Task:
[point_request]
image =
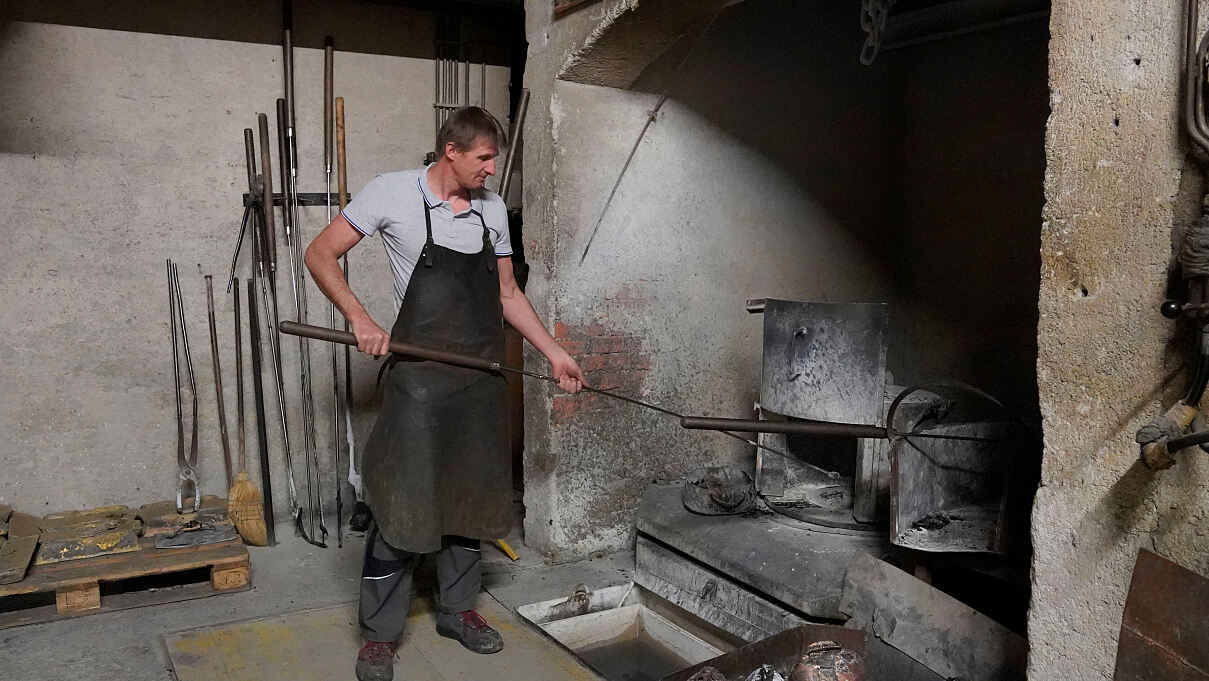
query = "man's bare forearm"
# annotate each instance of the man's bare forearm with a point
(519, 312)
(325, 270)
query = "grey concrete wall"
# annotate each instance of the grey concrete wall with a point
(773, 171)
(1115, 187)
(119, 150)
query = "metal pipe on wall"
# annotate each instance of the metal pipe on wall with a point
(514, 137)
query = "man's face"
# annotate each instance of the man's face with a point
(472, 167)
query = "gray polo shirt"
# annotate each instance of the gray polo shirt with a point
(392, 204)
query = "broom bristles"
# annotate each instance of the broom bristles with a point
(245, 510)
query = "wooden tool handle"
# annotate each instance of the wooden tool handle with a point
(341, 164)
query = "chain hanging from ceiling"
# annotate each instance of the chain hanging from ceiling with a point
(873, 22)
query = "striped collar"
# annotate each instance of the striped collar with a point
(430, 198)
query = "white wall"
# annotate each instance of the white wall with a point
(119, 150)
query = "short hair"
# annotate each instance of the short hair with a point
(465, 125)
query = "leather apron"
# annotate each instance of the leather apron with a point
(438, 459)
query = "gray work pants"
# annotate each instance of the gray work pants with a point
(386, 583)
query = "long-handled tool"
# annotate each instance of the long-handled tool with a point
(328, 121)
(241, 434)
(256, 202)
(217, 365)
(361, 516)
(261, 431)
(723, 426)
(186, 465)
(266, 280)
(286, 156)
(243, 499)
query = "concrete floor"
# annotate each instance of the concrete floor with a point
(127, 645)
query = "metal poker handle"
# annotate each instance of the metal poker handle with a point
(456, 359)
(405, 349)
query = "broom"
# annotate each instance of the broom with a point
(243, 500)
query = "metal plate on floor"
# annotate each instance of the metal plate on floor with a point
(824, 361)
(1163, 632)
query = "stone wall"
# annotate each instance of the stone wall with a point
(1116, 186)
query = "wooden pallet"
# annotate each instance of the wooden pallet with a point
(77, 584)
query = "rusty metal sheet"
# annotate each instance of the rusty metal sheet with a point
(1163, 631)
(824, 361)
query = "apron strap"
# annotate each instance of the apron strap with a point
(428, 245)
(487, 246)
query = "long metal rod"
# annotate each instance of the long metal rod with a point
(241, 433)
(261, 430)
(216, 363)
(275, 360)
(514, 140)
(456, 359)
(342, 196)
(328, 130)
(298, 281)
(725, 426)
(786, 427)
(650, 118)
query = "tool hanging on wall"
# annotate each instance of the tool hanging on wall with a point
(286, 117)
(361, 516)
(243, 499)
(266, 282)
(186, 478)
(328, 142)
(216, 364)
(256, 202)
(261, 430)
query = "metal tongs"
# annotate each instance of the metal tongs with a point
(187, 474)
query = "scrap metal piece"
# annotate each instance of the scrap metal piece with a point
(935, 629)
(719, 490)
(1163, 633)
(160, 517)
(825, 361)
(83, 534)
(18, 548)
(196, 534)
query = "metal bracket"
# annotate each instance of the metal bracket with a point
(304, 199)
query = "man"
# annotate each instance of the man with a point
(437, 465)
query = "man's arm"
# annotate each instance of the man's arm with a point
(323, 261)
(521, 316)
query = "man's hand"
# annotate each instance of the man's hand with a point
(371, 338)
(570, 376)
